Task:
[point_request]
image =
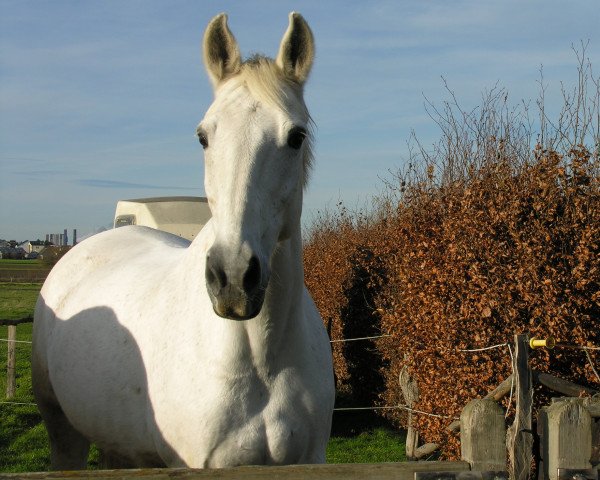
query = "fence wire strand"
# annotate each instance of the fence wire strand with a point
(359, 338)
(512, 379)
(483, 348)
(576, 347)
(395, 407)
(6, 340)
(405, 407)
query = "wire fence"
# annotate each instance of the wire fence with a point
(6, 340)
(407, 408)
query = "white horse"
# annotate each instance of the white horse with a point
(209, 354)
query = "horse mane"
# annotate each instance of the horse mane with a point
(266, 82)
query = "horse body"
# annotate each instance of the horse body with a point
(207, 354)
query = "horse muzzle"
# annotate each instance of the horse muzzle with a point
(236, 285)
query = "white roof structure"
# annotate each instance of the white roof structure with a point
(183, 216)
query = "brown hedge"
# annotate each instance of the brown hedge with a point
(486, 239)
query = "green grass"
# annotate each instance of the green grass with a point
(24, 443)
(23, 439)
(17, 300)
(12, 262)
(23, 270)
(373, 446)
(363, 437)
(9, 264)
(23, 392)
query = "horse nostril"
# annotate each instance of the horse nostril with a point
(215, 276)
(252, 275)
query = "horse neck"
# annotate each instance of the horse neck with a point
(287, 277)
(258, 341)
(280, 320)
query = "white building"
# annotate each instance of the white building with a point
(32, 246)
(183, 216)
(58, 239)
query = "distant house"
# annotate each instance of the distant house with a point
(32, 246)
(182, 216)
(15, 253)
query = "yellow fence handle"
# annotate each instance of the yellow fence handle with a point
(548, 343)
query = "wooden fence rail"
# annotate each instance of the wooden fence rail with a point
(350, 471)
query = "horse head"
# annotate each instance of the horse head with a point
(256, 137)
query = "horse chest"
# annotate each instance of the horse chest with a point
(244, 421)
(275, 436)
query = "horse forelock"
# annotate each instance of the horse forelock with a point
(267, 83)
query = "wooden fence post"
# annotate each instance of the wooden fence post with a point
(410, 392)
(595, 458)
(520, 435)
(483, 436)
(10, 362)
(567, 438)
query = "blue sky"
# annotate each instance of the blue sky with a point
(99, 100)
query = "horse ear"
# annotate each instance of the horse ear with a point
(221, 52)
(297, 49)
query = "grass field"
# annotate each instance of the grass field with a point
(23, 270)
(21, 264)
(17, 300)
(356, 438)
(23, 443)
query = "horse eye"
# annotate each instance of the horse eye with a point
(296, 137)
(203, 140)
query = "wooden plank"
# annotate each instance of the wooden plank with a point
(567, 441)
(594, 408)
(471, 475)
(350, 471)
(519, 439)
(591, 403)
(496, 394)
(595, 458)
(562, 386)
(541, 421)
(483, 435)
(577, 474)
(425, 450)
(501, 390)
(11, 382)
